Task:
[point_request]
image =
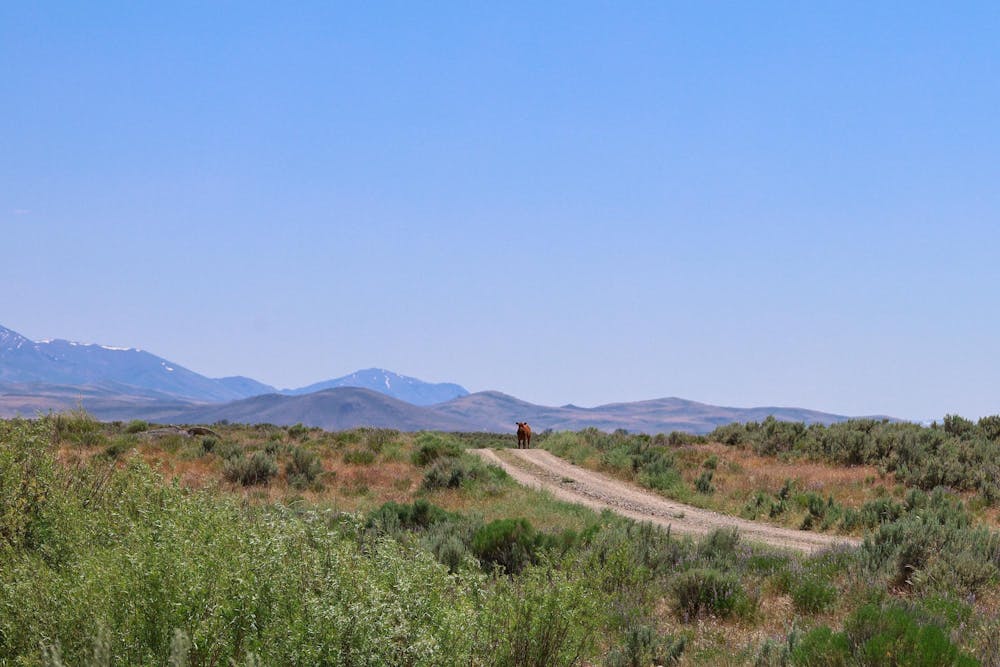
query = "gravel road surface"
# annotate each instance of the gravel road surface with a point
(539, 469)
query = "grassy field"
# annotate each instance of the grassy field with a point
(798, 483)
(127, 544)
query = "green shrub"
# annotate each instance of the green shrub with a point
(680, 438)
(990, 427)
(642, 646)
(448, 549)
(708, 591)
(757, 504)
(822, 647)
(359, 457)
(209, 444)
(303, 468)
(376, 439)
(638, 545)
(819, 512)
(28, 510)
(880, 635)
(733, 434)
(704, 483)
(228, 450)
(298, 431)
(118, 446)
(812, 595)
(767, 563)
(392, 517)
(934, 547)
(956, 425)
(78, 427)
(509, 543)
(879, 511)
(258, 468)
(564, 444)
(446, 473)
(895, 635)
(639, 456)
(431, 447)
(546, 617)
(137, 426)
(720, 545)
(450, 541)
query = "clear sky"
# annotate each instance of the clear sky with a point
(738, 203)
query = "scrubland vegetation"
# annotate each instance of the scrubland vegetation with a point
(123, 545)
(848, 477)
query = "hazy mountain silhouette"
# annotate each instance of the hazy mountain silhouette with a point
(411, 390)
(332, 409)
(68, 364)
(495, 411)
(127, 383)
(64, 362)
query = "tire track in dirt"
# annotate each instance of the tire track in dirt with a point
(540, 469)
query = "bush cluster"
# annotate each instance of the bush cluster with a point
(258, 468)
(934, 546)
(78, 427)
(709, 591)
(303, 469)
(880, 635)
(104, 563)
(110, 565)
(511, 544)
(958, 453)
(433, 446)
(359, 457)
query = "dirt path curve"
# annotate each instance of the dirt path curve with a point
(539, 469)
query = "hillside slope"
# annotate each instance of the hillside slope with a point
(331, 409)
(495, 411)
(402, 387)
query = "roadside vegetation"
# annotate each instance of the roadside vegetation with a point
(257, 545)
(845, 478)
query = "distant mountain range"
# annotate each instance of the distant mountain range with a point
(68, 363)
(126, 383)
(140, 373)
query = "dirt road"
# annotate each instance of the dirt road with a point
(539, 469)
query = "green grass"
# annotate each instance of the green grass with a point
(103, 561)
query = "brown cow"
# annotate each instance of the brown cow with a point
(523, 435)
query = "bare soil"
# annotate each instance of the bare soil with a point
(539, 469)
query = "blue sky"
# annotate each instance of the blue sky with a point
(739, 203)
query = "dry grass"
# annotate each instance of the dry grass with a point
(739, 474)
(391, 476)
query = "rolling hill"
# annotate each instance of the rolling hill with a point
(331, 409)
(126, 383)
(495, 411)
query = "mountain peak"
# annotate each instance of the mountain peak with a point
(11, 340)
(402, 387)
